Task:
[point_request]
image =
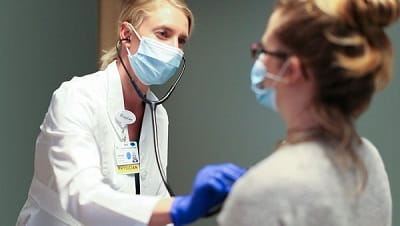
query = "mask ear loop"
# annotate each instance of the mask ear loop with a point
(284, 68)
(132, 28)
(136, 87)
(277, 78)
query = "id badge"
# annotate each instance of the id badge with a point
(127, 158)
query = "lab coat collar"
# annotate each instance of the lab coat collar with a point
(115, 101)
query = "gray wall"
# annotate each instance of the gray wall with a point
(42, 43)
(213, 114)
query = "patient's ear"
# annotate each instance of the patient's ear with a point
(294, 72)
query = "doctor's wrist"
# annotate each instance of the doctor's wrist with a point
(161, 212)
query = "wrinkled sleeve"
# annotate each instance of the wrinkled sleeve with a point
(74, 156)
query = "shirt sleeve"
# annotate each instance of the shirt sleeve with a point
(75, 159)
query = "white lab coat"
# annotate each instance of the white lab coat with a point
(75, 180)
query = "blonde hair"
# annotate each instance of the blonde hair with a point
(369, 18)
(134, 12)
(342, 43)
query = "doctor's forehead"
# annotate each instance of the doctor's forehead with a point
(166, 15)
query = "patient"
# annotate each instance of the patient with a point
(318, 65)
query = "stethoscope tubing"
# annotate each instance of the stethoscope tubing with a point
(153, 106)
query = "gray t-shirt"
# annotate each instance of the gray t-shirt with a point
(299, 186)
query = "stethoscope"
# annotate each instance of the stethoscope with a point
(153, 105)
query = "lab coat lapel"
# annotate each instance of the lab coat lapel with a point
(146, 135)
(115, 104)
(115, 100)
(147, 127)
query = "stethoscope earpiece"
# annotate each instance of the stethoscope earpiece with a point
(125, 39)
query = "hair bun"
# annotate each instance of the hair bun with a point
(364, 14)
(368, 14)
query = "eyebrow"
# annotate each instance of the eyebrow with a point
(182, 35)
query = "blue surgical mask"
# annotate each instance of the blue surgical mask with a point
(266, 96)
(154, 63)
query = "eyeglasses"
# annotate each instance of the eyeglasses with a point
(257, 49)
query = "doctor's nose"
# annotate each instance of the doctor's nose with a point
(174, 42)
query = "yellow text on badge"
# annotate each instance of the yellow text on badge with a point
(128, 169)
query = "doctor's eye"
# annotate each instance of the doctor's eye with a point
(182, 41)
(162, 34)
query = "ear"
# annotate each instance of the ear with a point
(294, 72)
(125, 32)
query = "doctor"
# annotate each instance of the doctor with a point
(94, 159)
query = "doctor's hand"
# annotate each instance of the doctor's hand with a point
(211, 185)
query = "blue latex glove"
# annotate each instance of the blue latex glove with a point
(211, 185)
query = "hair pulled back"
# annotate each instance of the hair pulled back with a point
(343, 47)
(135, 11)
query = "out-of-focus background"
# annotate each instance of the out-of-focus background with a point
(213, 114)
